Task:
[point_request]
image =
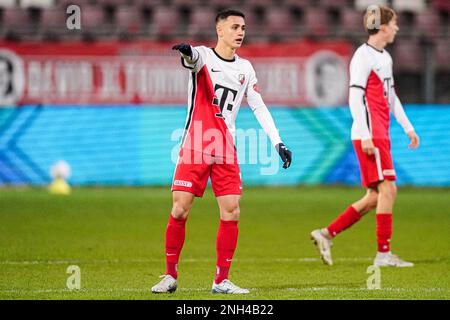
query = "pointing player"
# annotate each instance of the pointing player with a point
(371, 98)
(219, 79)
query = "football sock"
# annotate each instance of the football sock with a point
(345, 220)
(225, 247)
(384, 231)
(175, 233)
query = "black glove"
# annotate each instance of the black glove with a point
(285, 154)
(183, 48)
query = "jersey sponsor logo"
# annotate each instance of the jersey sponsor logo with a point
(182, 183)
(223, 92)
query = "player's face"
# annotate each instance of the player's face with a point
(232, 31)
(391, 30)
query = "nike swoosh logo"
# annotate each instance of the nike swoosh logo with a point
(229, 260)
(215, 70)
(171, 254)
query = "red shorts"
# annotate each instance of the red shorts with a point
(376, 167)
(194, 168)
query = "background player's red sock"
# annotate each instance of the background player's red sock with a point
(225, 247)
(384, 231)
(175, 233)
(344, 221)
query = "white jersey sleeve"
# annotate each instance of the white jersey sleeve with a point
(196, 61)
(260, 109)
(399, 113)
(360, 70)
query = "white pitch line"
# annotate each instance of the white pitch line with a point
(207, 290)
(188, 260)
(365, 289)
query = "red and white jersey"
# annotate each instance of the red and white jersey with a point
(216, 89)
(371, 71)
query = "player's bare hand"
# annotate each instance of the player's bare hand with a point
(414, 138)
(184, 48)
(368, 146)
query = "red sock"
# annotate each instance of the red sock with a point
(225, 246)
(384, 231)
(345, 220)
(175, 233)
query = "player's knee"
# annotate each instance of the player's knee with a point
(388, 189)
(180, 210)
(231, 213)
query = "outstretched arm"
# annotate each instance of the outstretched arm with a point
(190, 56)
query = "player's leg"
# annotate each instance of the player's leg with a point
(175, 230)
(226, 241)
(175, 235)
(352, 214)
(322, 238)
(384, 257)
(227, 187)
(190, 179)
(387, 192)
(227, 234)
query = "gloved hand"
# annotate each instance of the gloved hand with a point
(285, 155)
(183, 48)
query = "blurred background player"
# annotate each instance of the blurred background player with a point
(371, 98)
(219, 80)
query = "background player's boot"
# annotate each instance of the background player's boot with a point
(387, 259)
(323, 244)
(168, 284)
(227, 287)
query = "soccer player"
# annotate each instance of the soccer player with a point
(371, 98)
(219, 79)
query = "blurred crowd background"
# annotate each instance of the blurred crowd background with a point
(421, 52)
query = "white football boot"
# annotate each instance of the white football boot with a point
(323, 244)
(168, 284)
(227, 287)
(387, 259)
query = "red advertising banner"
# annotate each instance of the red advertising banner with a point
(302, 73)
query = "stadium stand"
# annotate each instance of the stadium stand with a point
(267, 20)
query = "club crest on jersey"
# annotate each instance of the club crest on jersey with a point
(242, 78)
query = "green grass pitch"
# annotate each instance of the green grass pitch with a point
(116, 237)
